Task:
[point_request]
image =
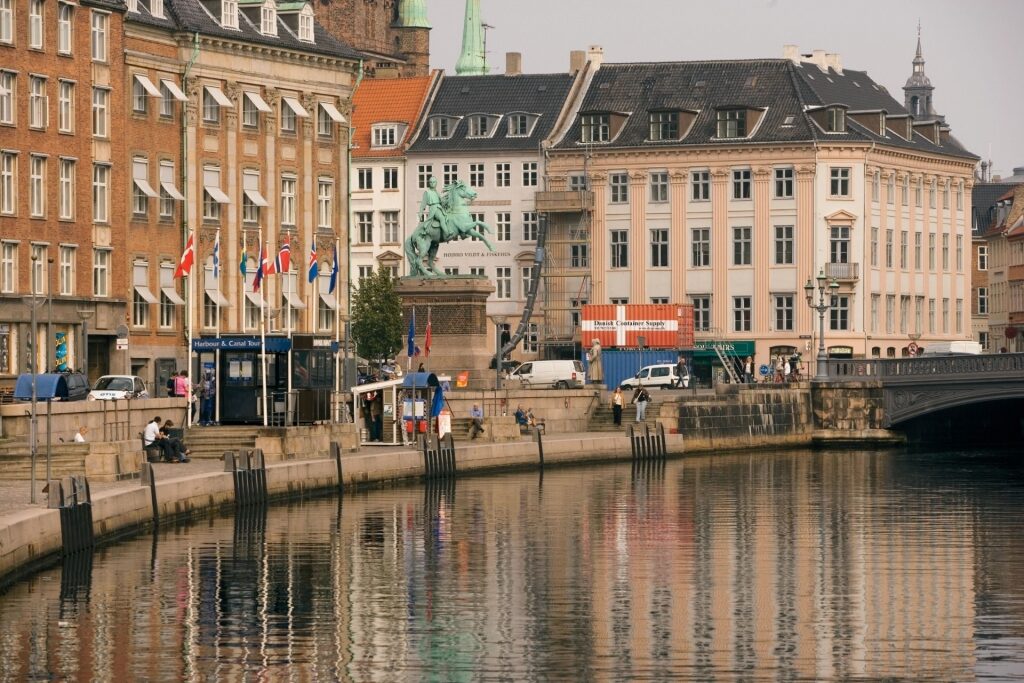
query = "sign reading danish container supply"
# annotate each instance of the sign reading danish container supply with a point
(662, 326)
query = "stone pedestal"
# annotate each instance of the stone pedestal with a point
(459, 324)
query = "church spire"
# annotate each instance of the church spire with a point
(413, 14)
(472, 61)
(917, 97)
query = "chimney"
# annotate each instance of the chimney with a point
(513, 63)
(835, 60)
(577, 60)
(595, 55)
(792, 53)
(818, 59)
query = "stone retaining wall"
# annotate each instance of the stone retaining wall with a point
(106, 420)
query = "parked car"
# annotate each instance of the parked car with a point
(952, 348)
(662, 375)
(110, 387)
(560, 374)
(55, 386)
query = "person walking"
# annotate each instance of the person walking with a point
(748, 370)
(641, 398)
(682, 373)
(617, 407)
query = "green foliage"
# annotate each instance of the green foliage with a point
(377, 317)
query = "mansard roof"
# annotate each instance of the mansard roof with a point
(458, 97)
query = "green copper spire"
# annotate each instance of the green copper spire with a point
(413, 14)
(472, 61)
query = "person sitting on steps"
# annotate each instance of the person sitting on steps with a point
(151, 436)
(477, 414)
(181, 452)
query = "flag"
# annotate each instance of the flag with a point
(438, 403)
(283, 262)
(261, 267)
(242, 265)
(216, 255)
(314, 270)
(185, 264)
(412, 336)
(427, 337)
(334, 271)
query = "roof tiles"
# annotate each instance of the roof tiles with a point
(398, 100)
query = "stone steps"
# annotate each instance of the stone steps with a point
(602, 418)
(61, 464)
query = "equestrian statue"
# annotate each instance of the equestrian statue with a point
(445, 219)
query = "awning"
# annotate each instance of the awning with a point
(254, 298)
(146, 188)
(296, 107)
(294, 300)
(148, 86)
(217, 194)
(258, 102)
(218, 298)
(144, 292)
(218, 96)
(176, 92)
(333, 112)
(332, 303)
(172, 294)
(170, 189)
(255, 197)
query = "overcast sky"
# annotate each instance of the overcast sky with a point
(973, 48)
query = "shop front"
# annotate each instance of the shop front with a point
(706, 364)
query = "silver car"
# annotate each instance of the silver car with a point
(661, 375)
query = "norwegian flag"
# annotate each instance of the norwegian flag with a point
(261, 268)
(283, 262)
(187, 257)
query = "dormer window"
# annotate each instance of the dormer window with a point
(306, 24)
(482, 125)
(385, 135)
(664, 125)
(732, 123)
(268, 18)
(156, 8)
(229, 13)
(835, 120)
(442, 127)
(520, 125)
(595, 128)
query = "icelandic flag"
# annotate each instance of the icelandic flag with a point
(261, 267)
(427, 337)
(242, 266)
(187, 256)
(216, 256)
(314, 270)
(334, 272)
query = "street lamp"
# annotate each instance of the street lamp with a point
(34, 301)
(831, 288)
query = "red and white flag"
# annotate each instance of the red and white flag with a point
(283, 262)
(427, 338)
(187, 257)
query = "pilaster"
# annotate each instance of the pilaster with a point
(762, 246)
(677, 238)
(599, 238)
(720, 249)
(638, 236)
(805, 243)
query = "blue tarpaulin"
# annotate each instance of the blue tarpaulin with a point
(420, 380)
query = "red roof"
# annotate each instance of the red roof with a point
(388, 100)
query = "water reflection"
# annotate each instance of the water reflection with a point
(795, 566)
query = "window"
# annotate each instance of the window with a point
(480, 126)
(289, 118)
(364, 222)
(389, 227)
(700, 184)
(140, 305)
(918, 311)
(890, 313)
(476, 175)
(783, 245)
(958, 326)
(888, 248)
(167, 102)
(874, 246)
(503, 226)
(701, 312)
(530, 226)
(503, 175)
(959, 253)
(268, 18)
(890, 190)
(659, 299)
(659, 186)
(917, 251)
(904, 313)
(619, 188)
(37, 102)
(325, 203)
(620, 248)
(945, 316)
(141, 189)
(518, 125)
(66, 197)
(229, 15)
(35, 24)
(138, 96)
(65, 14)
(100, 112)
(839, 314)
(213, 196)
(784, 312)
(917, 193)
(839, 185)
(905, 192)
(7, 80)
(982, 300)
(365, 272)
(931, 194)
(578, 182)
(529, 174)
(904, 239)
(959, 197)
(100, 193)
(579, 255)
(211, 314)
(931, 251)
(326, 305)
(945, 195)
(835, 120)
(8, 182)
(526, 278)
(876, 184)
(37, 186)
(732, 123)
(9, 267)
(450, 173)
(288, 183)
(168, 192)
(101, 272)
(659, 248)
(741, 314)
(620, 301)
(449, 270)
(983, 257)
(741, 184)
(532, 342)
(783, 183)
(385, 136)
(250, 112)
(664, 125)
(503, 282)
(325, 120)
(945, 251)
(931, 316)
(874, 312)
(701, 245)
(983, 339)
(306, 25)
(168, 296)
(66, 105)
(440, 127)
(391, 178)
(423, 173)
(38, 275)
(100, 22)
(6, 21)
(741, 246)
(595, 128)
(364, 178)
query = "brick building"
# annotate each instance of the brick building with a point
(394, 35)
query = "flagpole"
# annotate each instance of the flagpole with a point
(288, 311)
(189, 289)
(263, 326)
(343, 405)
(216, 354)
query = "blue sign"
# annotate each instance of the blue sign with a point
(273, 344)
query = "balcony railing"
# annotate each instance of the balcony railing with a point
(570, 201)
(842, 271)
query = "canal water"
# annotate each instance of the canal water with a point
(795, 565)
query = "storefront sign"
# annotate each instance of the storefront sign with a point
(273, 344)
(706, 348)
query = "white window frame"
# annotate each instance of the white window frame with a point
(531, 226)
(38, 104)
(8, 183)
(659, 247)
(391, 178)
(37, 186)
(100, 112)
(982, 257)
(364, 225)
(700, 247)
(142, 191)
(100, 193)
(784, 183)
(99, 24)
(268, 18)
(306, 24)
(6, 21)
(35, 24)
(785, 245)
(742, 314)
(229, 14)
(784, 312)
(289, 194)
(503, 226)
(8, 84)
(38, 272)
(839, 181)
(476, 175)
(385, 135)
(529, 174)
(423, 173)
(700, 186)
(168, 191)
(325, 203)
(66, 189)
(503, 282)
(619, 248)
(213, 195)
(503, 174)
(618, 188)
(390, 227)
(65, 106)
(8, 266)
(659, 186)
(982, 300)
(66, 269)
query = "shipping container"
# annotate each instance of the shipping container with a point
(654, 326)
(620, 364)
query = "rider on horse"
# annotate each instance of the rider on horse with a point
(436, 209)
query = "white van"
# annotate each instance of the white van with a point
(952, 348)
(560, 374)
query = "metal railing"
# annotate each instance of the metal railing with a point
(899, 370)
(842, 271)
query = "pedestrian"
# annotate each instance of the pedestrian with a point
(170, 383)
(617, 407)
(786, 369)
(682, 372)
(421, 368)
(748, 370)
(477, 415)
(80, 434)
(181, 384)
(779, 376)
(641, 398)
(206, 406)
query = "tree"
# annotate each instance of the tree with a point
(377, 317)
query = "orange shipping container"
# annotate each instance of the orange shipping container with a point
(663, 326)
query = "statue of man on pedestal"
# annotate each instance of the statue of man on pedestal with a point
(596, 372)
(446, 218)
(435, 210)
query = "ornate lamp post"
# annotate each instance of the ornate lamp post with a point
(831, 289)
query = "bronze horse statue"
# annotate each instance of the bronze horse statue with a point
(421, 246)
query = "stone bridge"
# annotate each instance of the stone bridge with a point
(879, 393)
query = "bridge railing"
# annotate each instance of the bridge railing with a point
(896, 369)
